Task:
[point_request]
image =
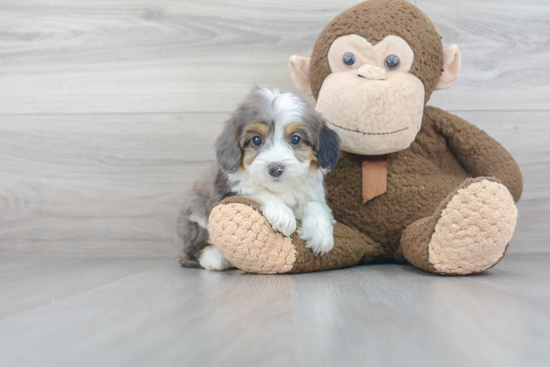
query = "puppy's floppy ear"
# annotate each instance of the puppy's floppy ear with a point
(228, 151)
(328, 148)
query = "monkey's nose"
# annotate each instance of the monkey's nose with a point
(371, 72)
(275, 169)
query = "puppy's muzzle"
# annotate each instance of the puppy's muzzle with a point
(275, 169)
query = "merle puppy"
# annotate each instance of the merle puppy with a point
(275, 150)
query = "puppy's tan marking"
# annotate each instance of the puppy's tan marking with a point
(303, 130)
(257, 128)
(304, 151)
(314, 162)
(249, 150)
(249, 154)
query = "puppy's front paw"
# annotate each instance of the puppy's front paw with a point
(281, 218)
(319, 245)
(318, 235)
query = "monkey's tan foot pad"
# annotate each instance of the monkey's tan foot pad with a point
(245, 238)
(471, 232)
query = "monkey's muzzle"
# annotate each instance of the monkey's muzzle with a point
(371, 72)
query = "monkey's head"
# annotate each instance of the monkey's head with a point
(372, 71)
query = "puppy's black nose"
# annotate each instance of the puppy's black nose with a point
(275, 169)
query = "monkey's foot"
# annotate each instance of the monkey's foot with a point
(245, 238)
(468, 233)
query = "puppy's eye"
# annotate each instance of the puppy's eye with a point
(392, 62)
(295, 140)
(257, 141)
(349, 59)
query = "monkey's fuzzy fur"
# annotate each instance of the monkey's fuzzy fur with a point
(419, 178)
(374, 20)
(448, 156)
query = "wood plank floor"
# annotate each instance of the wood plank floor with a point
(151, 312)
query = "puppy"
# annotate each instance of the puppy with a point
(275, 150)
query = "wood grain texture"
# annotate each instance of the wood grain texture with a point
(98, 144)
(83, 56)
(151, 312)
(102, 185)
(111, 185)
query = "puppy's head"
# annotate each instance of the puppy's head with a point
(276, 138)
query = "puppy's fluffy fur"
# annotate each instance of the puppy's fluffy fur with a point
(274, 149)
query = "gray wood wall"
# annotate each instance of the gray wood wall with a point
(109, 109)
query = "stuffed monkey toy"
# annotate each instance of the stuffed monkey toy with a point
(414, 183)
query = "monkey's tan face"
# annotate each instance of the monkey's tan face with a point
(370, 99)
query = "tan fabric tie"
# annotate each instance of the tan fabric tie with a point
(375, 176)
(374, 172)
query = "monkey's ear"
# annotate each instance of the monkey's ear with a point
(299, 71)
(328, 148)
(451, 67)
(228, 151)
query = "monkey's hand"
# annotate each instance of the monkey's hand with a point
(479, 153)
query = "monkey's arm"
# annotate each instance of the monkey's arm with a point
(479, 153)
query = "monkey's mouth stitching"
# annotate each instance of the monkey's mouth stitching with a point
(355, 131)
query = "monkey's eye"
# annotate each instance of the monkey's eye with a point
(257, 141)
(349, 59)
(392, 62)
(295, 140)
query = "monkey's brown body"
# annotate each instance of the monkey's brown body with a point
(449, 206)
(419, 180)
